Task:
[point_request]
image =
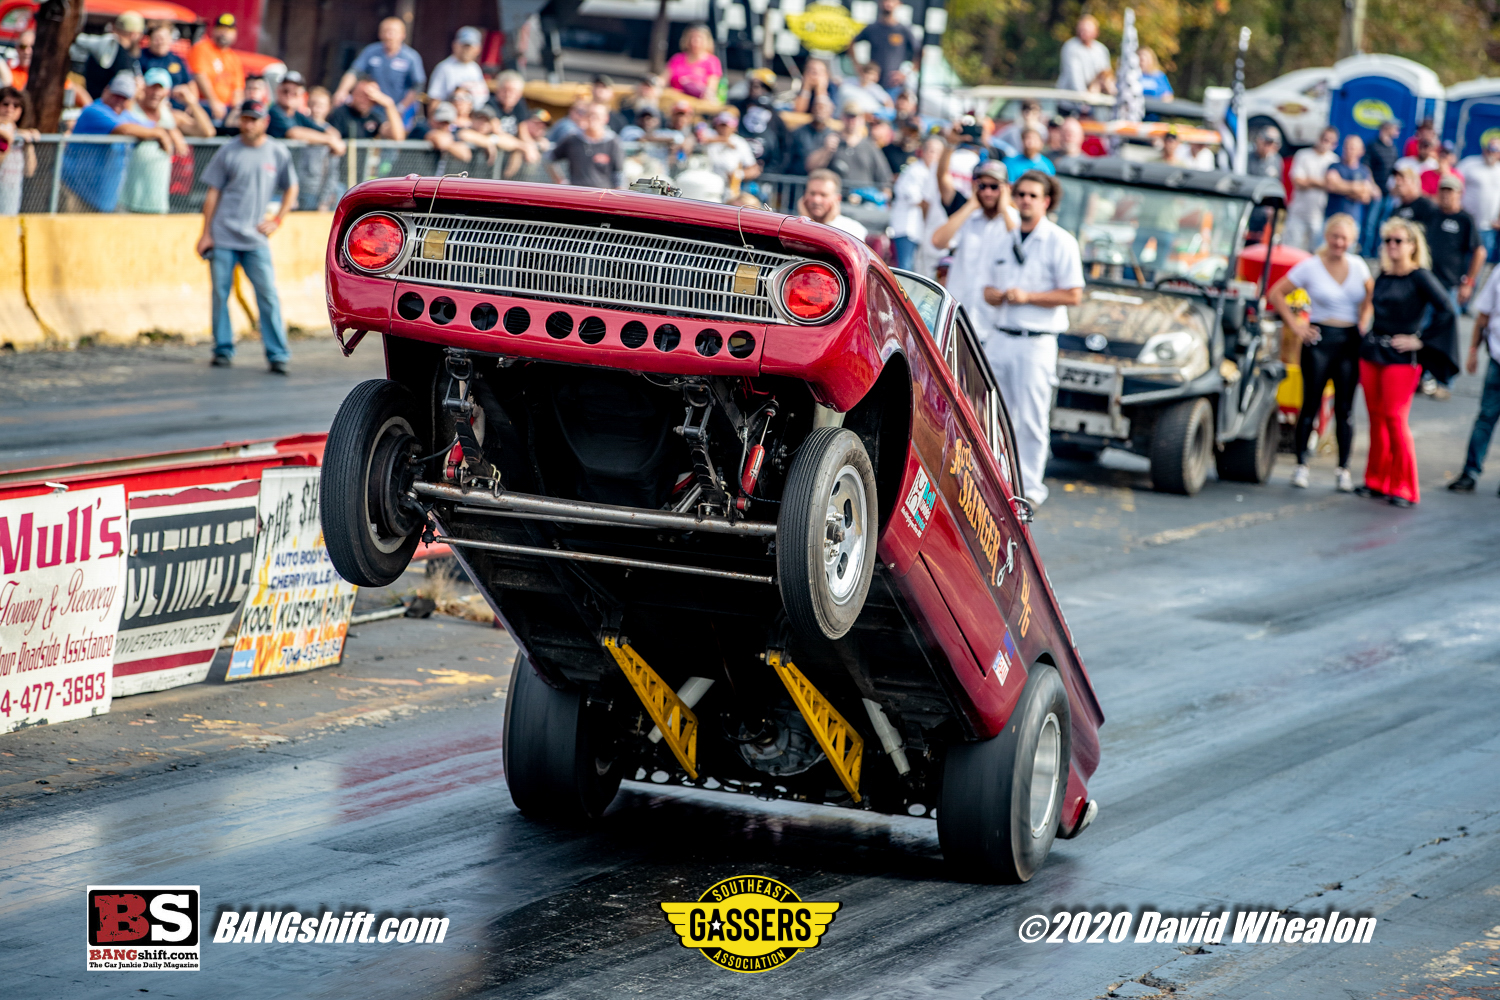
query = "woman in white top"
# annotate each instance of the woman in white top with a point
(1339, 291)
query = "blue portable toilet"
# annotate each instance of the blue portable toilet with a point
(1368, 90)
(1473, 115)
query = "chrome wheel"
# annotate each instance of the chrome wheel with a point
(845, 535)
(1045, 774)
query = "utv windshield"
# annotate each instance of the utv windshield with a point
(1164, 233)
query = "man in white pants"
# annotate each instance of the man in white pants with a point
(1037, 274)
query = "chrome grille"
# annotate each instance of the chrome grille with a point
(594, 265)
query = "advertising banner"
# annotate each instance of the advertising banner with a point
(62, 570)
(298, 610)
(191, 551)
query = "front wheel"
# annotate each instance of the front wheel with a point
(370, 526)
(560, 763)
(1002, 799)
(1251, 461)
(825, 534)
(1182, 447)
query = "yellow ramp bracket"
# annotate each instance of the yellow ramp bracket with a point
(678, 724)
(845, 747)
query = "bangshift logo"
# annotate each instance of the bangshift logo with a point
(143, 928)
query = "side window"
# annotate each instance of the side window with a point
(976, 382)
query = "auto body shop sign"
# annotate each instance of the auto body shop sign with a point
(298, 610)
(62, 574)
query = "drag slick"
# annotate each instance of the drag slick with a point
(744, 497)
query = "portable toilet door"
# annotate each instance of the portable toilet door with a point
(1369, 90)
(1472, 117)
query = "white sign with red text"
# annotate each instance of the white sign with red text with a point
(62, 570)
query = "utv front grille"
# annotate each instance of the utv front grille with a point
(595, 265)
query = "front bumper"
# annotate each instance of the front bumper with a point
(1088, 400)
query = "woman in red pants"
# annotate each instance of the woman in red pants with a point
(1391, 357)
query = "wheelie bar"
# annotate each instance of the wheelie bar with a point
(843, 745)
(678, 724)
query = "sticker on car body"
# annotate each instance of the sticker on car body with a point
(920, 500)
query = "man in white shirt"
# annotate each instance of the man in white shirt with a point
(972, 232)
(820, 203)
(461, 69)
(1482, 193)
(917, 208)
(1304, 220)
(1486, 330)
(1037, 273)
(1084, 57)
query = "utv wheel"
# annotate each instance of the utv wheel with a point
(559, 762)
(1251, 461)
(1069, 452)
(1002, 799)
(825, 536)
(1182, 447)
(368, 526)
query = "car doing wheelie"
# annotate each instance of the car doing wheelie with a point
(744, 497)
(1167, 355)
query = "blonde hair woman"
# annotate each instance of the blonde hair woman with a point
(1393, 353)
(695, 70)
(1339, 292)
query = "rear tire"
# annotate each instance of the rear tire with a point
(1182, 446)
(826, 533)
(1251, 461)
(368, 525)
(559, 763)
(1001, 803)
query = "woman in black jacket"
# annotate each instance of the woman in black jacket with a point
(1393, 353)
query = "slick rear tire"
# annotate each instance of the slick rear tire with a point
(1182, 447)
(1251, 461)
(1002, 799)
(826, 534)
(370, 531)
(559, 763)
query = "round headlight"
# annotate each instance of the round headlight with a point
(374, 243)
(810, 292)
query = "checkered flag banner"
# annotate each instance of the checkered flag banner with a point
(1131, 104)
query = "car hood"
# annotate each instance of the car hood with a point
(1135, 315)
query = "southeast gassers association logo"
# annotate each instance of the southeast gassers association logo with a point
(750, 923)
(143, 928)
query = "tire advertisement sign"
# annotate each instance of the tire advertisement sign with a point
(191, 561)
(298, 609)
(62, 574)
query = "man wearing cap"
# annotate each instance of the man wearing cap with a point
(972, 232)
(1481, 176)
(760, 125)
(395, 66)
(148, 177)
(217, 68)
(94, 172)
(287, 120)
(100, 58)
(1036, 274)
(1454, 241)
(459, 69)
(242, 178)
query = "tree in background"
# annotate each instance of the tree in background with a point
(999, 41)
(57, 24)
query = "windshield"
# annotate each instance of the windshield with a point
(1164, 233)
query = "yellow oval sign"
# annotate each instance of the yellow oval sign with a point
(825, 27)
(1489, 136)
(1372, 113)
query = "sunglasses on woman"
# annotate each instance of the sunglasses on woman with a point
(1394, 241)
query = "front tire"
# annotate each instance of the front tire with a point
(826, 533)
(369, 526)
(559, 762)
(1251, 461)
(1002, 799)
(1182, 446)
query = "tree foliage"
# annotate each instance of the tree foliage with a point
(998, 41)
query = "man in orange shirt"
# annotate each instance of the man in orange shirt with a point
(217, 68)
(25, 45)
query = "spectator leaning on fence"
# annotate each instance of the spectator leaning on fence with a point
(460, 69)
(510, 106)
(288, 121)
(92, 173)
(369, 114)
(103, 57)
(17, 150)
(148, 177)
(594, 155)
(242, 179)
(217, 68)
(395, 66)
(533, 130)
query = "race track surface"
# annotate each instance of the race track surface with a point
(1301, 691)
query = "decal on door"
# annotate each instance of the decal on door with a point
(1025, 621)
(981, 519)
(1006, 657)
(919, 502)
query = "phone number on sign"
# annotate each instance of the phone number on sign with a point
(32, 698)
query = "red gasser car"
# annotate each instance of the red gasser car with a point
(745, 498)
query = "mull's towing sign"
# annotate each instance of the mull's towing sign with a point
(299, 608)
(62, 570)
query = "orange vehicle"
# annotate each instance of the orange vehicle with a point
(16, 16)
